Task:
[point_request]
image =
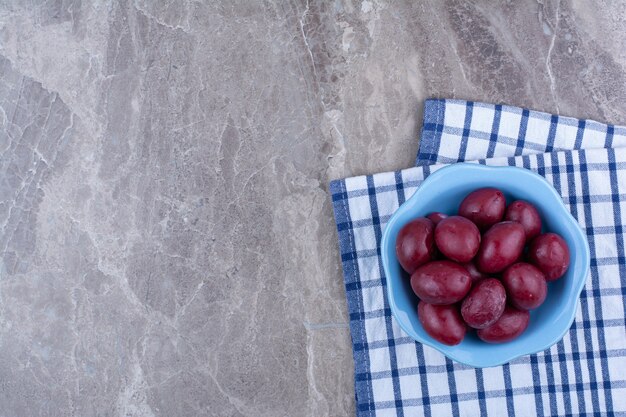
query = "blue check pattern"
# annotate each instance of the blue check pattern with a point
(582, 375)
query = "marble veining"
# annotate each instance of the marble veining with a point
(166, 235)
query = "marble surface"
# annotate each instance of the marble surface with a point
(167, 242)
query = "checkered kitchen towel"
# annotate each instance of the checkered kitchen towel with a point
(585, 373)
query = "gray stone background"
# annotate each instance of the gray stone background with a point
(167, 242)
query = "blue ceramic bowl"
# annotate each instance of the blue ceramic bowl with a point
(443, 191)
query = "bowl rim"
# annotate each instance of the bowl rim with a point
(571, 305)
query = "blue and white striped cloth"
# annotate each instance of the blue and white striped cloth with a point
(585, 373)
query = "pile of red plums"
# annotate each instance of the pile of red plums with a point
(484, 268)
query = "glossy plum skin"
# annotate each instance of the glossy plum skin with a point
(485, 207)
(415, 244)
(501, 246)
(510, 325)
(474, 272)
(457, 238)
(436, 217)
(550, 254)
(484, 304)
(525, 285)
(441, 282)
(527, 215)
(442, 323)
